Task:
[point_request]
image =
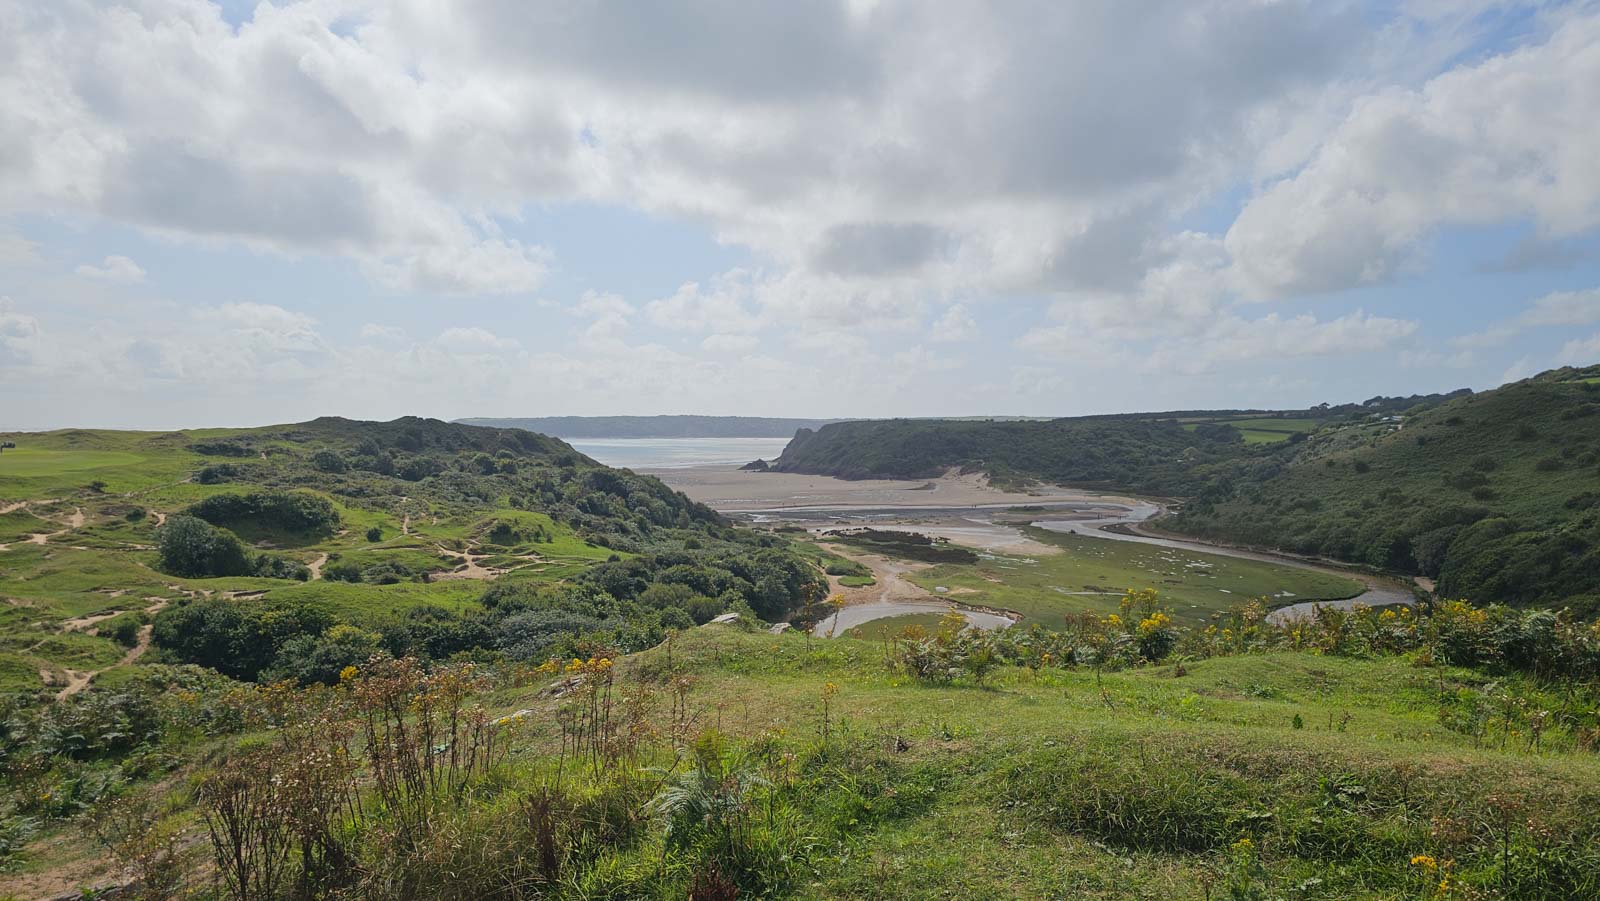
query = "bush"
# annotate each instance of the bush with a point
(328, 461)
(193, 548)
(374, 534)
(308, 659)
(343, 571)
(387, 572)
(233, 638)
(221, 472)
(124, 628)
(290, 511)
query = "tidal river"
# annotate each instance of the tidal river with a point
(976, 525)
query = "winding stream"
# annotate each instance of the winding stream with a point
(1094, 518)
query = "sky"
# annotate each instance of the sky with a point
(240, 214)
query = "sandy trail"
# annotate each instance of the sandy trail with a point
(469, 567)
(733, 490)
(316, 566)
(78, 680)
(74, 522)
(85, 623)
(890, 595)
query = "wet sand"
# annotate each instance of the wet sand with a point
(732, 490)
(967, 511)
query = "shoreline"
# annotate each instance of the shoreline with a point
(951, 506)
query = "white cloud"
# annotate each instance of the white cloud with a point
(860, 141)
(874, 170)
(487, 267)
(117, 269)
(1580, 352)
(16, 250)
(954, 326)
(473, 340)
(1513, 137)
(1558, 308)
(19, 337)
(720, 306)
(1277, 337)
(385, 332)
(730, 344)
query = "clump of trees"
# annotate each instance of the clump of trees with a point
(289, 511)
(193, 548)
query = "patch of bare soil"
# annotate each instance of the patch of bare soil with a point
(78, 680)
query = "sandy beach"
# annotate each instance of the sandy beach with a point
(732, 490)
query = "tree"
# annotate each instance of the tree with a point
(321, 658)
(193, 548)
(375, 534)
(328, 461)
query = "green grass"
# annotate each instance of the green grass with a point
(19, 524)
(1049, 783)
(373, 604)
(32, 463)
(1059, 784)
(893, 626)
(1091, 574)
(1265, 430)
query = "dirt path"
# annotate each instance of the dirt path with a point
(78, 680)
(471, 568)
(316, 566)
(891, 594)
(74, 522)
(85, 623)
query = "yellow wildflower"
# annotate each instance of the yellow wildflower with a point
(1425, 861)
(348, 673)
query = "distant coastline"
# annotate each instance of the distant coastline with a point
(566, 427)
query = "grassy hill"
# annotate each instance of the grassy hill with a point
(730, 763)
(1497, 495)
(417, 536)
(1154, 455)
(1158, 453)
(453, 662)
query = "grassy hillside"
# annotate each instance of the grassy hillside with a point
(1497, 494)
(731, 763)
(1154, 455)
(416, 536)
(1158, 453)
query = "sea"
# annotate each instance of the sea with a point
(678, 453)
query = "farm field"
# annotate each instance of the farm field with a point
(1265, 430)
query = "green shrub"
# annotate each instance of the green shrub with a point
(191, 547)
